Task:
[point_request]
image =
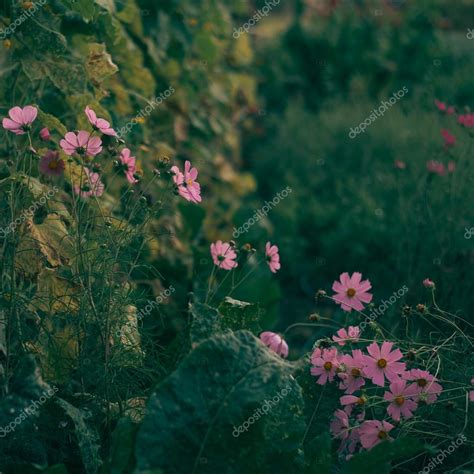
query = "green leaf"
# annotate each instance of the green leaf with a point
(87, 437)
(240, 315)
(318, 455)
(206, 321)
(197, 418)
(206, 46)
(99, 64)
(51, 122)
(378, 459)
(87, 9)
(121, 459)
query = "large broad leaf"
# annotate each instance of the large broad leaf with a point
(232, 315)
(378, 459)
(231, 406)
(205, 322)
(49, 241)
(86, 435)
(240, 315)
(55, 294)
(26, 397)
(99, 64)
(121, 459)
(318, 455)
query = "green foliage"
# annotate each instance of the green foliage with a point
(379, 458)
(214, 391)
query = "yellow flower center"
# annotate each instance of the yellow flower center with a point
(382, 363)
(328, 365)
(351, 292)
(361, 401)
(422, 382)
(355, 372)
(400, 400)
(382, 435)
(52, 165)
(189, 182)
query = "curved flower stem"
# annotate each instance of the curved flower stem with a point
(313, 415)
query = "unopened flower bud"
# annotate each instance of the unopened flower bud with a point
(320, 294)
(44, 134)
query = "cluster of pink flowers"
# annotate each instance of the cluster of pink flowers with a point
(224, 255)
(186, 183)
(378, 365)
(437, 167)
(81, 143)
(467, 120)
(449, 139)
(442, 107)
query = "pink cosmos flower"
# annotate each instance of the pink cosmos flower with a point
(186, 182)
(81, 143)
(373, 432)
(401, 165)
(351, 292)
(325, 364)
(467, 120)
(442, 107)
(343, 336)
(99, 124)
(401, 398)
(20, 119)
(353, 376)
(273, 258)
(275, 342)
(426, 385)
(339, 427)
(383, 363)
(449, 139)
(436, 167)
(223, 255)
(128, 163)
(91, 185)
(44, 134)
(427, 283)
(51, 164)
(351, 401)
